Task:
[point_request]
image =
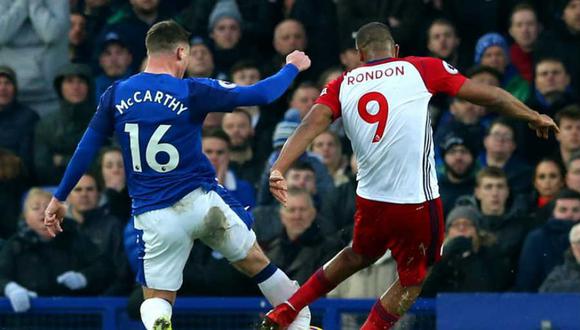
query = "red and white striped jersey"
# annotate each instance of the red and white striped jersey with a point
(383, 106)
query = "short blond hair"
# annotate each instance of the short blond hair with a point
(35, 192)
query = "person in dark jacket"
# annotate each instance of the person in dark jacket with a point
(566, 277)
(17, 121)
(470, 261)
(544, 247)
(499, 214)
(58, 134)
(301, 248)
(562, 40)
(500, 147)
(457, 177)
(115, 196)
(104, 229)
(548, 181)
(33, 263)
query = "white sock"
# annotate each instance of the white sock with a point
(152, 309)
(277, 289)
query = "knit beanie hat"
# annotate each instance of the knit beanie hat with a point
(224, 8)
(286, 127)
(462, 212)
(7, 72)
(488, 40)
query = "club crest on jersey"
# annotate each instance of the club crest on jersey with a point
(450, 68)
(226, 84)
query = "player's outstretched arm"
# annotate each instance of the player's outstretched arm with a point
(316, 121)
(503, 102)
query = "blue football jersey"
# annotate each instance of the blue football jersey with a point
(157, 119)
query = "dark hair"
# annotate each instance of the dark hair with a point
(301, 166)
(550, 59)
(489, 172)
(571, 111)
(474, 71)
(504, 121)
(441, 21)
(374, 36)
(567, 193)
(244, 65)
(99, 165)
(165, 36)
(216, 133)
(521, 7)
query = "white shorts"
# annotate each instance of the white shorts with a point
(167, 236)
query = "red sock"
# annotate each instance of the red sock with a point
(379, 318)
(316, 287)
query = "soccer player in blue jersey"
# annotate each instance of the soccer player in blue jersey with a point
(157, 118)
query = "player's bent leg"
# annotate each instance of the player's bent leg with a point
(156, 309)
(339, 268)
(274, 284)
(391, 306)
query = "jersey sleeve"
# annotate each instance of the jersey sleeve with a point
(103, 119)
(438, 75)
(330, 97)
(211, 95)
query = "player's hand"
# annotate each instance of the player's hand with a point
(299, 59)
(278, 186)
(543, 125)
(53, 216)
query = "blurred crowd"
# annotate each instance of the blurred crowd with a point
(511, 200)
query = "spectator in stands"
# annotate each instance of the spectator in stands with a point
(566, 277)
(131, 23)
(548, 181)
(573, 173)
(552, 93)
(12, 185)
(112, 178)
(303, 97)
(215, 145)
(500, 215)
(301, 248)
(282, 132)
(339, 205)
(465, 116)
(245, 73)
(544, 247)
(58, 134)
(443, 43)
(329, 75)
(349, 56)
(225, 32)
(470, 261)
(492, 50)
(201, 62)
(104, 229)
(115, 61)
(484, 75)
(34, 263)
(457, 177)
(79, 48)
(96, 12)
(524, 29)
(289, 35)
(34, 42)
(328, 146)
(300, 175)
(17, 121)
(568, 119)
(499, 150)
(562, 40)
(245, 162)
